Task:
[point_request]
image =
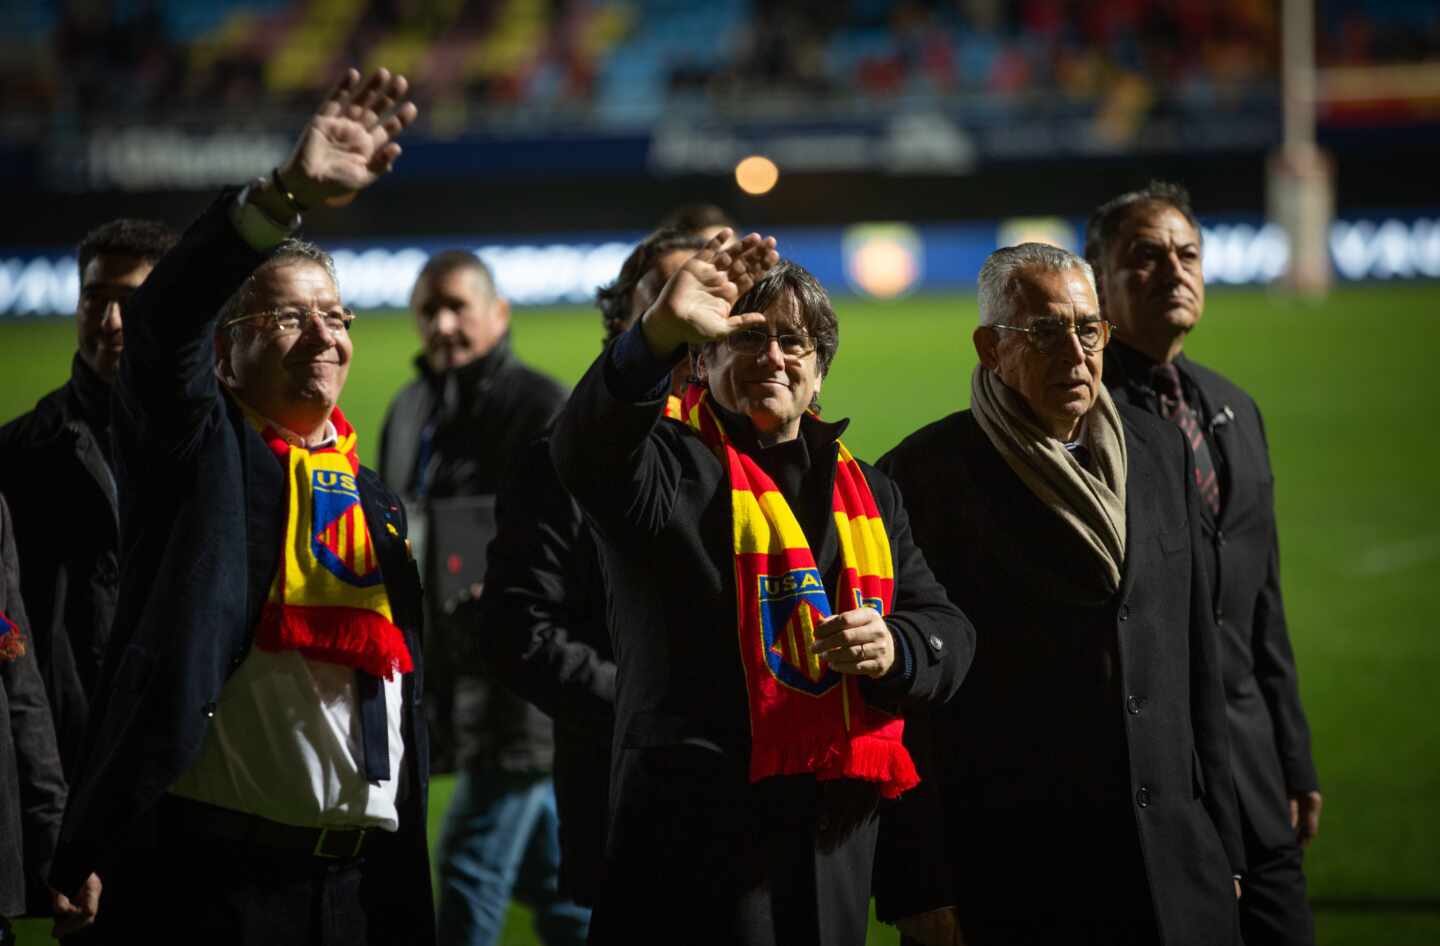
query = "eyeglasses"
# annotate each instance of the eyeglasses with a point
(1046, 335)
(752, 342)
(291, 321)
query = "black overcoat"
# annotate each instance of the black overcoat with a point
(1089, 740)
(477, 418)
(202, 511)
(691, 840)
(62, 494)
(1268, 732)
(32, 788)
(1269, 735)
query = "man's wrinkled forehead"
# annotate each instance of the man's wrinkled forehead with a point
(294, 282)
(1158, 222)
(1054, 294)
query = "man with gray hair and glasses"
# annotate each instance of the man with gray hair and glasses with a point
(256, 768)
(1078, 789)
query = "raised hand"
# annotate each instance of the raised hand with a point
(695, 306)
(349, 141)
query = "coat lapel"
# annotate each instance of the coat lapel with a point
(87, 452)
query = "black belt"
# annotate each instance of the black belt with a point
(199, 820)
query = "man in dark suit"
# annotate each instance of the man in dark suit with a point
(62, 448)
(1078, 787)
(755, 721)
(256, 771)
(1145, 247)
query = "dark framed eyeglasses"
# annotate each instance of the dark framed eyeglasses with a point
(753, 342)
(291, 321)
(1046, 335)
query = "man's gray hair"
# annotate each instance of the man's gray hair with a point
(1003, 269)
(286, 254)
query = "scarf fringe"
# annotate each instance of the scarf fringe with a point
(868, 757)
(351, 637)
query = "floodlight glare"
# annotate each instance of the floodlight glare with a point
(756, 174)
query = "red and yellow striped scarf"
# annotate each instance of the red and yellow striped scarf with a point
(328, 600)
(804, 716)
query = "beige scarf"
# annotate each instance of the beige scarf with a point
(1094, 506)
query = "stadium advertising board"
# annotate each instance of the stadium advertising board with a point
(883, 260)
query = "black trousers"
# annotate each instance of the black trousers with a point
(1274, 910)
(701, 856)
(175, 887)
(1073, 876)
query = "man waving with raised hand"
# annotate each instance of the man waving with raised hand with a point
(256, 771)
(771, 617)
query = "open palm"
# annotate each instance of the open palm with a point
(349, 141)
(696, 303)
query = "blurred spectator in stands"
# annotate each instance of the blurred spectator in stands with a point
(62, 448)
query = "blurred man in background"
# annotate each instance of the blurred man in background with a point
(256, 772)
(540, 624)
(449, 438)
(58, 476)
(1146, 249)
(1078, 788)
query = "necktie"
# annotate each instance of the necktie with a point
(374, 727)
(1166, 380)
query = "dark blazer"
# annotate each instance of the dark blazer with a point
(681, 801)
(202, 510)
(1089, 739)
(479, 417)
(1269, 735)
(539, 628)
(32, 788)
(62, 492)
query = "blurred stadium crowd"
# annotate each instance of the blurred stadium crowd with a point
(527, 62)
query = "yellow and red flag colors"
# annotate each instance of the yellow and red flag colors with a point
(805, 716)
(328, 599)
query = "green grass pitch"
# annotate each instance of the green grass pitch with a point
(1348, 388)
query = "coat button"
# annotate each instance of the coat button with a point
(1219, 537)
(209, 710)
(1134, 704)
(1142, 797)
(1124, 612)
(936, 642)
